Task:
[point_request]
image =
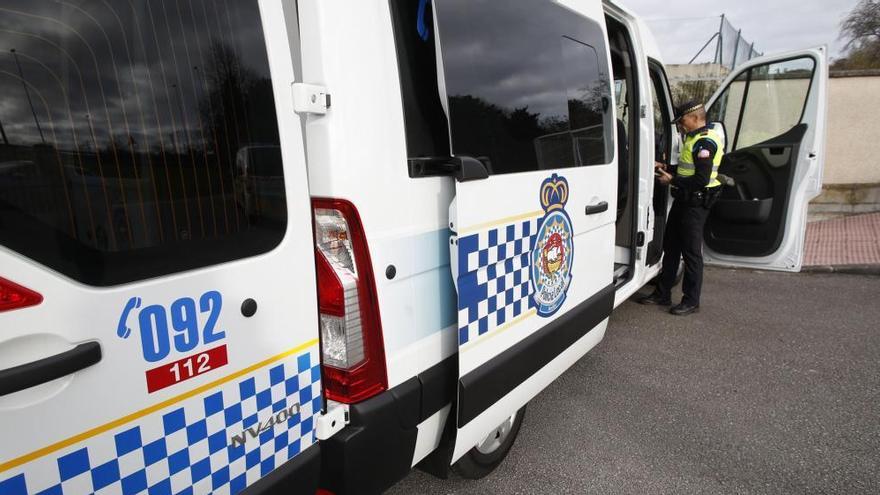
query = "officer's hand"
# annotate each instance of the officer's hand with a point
(664, 177)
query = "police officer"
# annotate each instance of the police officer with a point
(695, 187)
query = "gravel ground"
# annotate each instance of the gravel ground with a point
(772, 388)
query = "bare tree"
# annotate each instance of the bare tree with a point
(861, 29)
(862, 25)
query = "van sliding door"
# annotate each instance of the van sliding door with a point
(531, 114)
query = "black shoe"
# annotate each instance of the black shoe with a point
(654, 298)
(684, 309)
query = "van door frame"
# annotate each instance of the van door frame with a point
(660, 211)
(634, 138)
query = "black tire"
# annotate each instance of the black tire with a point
(476, 463)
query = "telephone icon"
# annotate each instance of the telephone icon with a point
(122, 329)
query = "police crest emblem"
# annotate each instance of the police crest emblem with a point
(553, 252)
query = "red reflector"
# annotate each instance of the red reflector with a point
(331, 296)
(14, 296)
(322, 491)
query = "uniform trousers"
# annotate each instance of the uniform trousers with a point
(683, 239)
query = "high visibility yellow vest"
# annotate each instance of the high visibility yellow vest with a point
(686, 166)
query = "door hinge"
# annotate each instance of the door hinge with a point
(330, 422)
(310, 99)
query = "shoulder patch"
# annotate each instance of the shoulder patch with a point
(704, 153)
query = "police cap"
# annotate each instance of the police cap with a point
(686, 108)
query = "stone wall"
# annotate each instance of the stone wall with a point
(851, 183)
(853, 131)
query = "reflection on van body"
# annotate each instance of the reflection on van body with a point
(130, 117)
(259, 182)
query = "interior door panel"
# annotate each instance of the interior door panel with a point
(748, 219)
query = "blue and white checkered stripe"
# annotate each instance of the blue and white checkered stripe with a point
(494, 277)
(187, 448)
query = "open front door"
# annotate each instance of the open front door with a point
(530, 111)
(773, 111)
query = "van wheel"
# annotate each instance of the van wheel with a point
(488, 454)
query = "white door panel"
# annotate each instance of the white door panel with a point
(529, 103)
(589, 264)
(185, 253)
(525, 391)
(773, 109)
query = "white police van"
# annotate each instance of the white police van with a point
(277, 245)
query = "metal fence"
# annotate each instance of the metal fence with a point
(720, 47)
(731, 49)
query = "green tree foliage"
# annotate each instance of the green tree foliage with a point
(861, 29)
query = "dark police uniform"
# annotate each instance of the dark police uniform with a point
(695, 187)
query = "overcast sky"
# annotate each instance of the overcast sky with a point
(773, 25)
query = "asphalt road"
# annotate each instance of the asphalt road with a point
(774, 387)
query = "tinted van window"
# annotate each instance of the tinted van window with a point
(125, 128)
(527, 82)
(427, 129)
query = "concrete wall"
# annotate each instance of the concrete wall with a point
(853, 131)
(695, 72)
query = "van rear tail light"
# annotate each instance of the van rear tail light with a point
(14, 296)
(352, 355)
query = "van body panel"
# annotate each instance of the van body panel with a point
(203, 380)
(355, 157)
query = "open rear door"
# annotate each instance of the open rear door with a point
(531, 117)
(773, 111)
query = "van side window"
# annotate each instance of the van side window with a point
(427, 129)
(139, 138)
(528, 84)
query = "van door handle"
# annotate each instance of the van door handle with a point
(596, 208)
(45, 370)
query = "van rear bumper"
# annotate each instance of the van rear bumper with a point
(299, 475)
(375, 450)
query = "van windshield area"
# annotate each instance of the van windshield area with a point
(124, 129)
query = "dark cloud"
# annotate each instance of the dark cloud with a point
(130, 115)
(528, 83)
(114, 67)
